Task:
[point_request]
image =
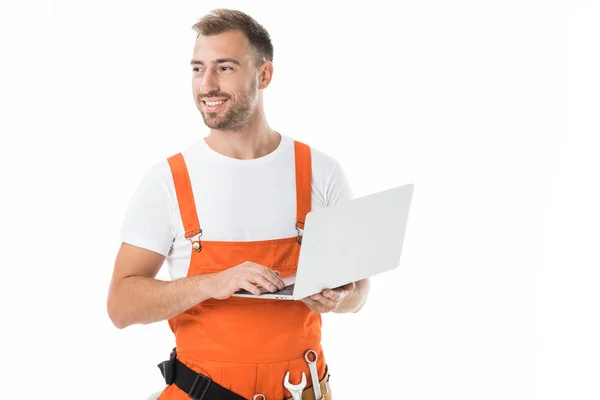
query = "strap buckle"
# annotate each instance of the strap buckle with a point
(300, 231)
(167, 368)
(195, 240)
(199, 387)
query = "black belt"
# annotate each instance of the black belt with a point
(197, 386)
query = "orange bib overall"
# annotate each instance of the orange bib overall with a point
(246, 345)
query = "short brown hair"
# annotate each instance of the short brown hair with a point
(222, 20)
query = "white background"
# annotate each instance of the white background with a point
(489, 107)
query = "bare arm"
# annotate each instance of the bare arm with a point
(136, 297)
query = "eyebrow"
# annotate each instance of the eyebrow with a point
(217, 61)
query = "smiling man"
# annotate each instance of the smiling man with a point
(225, 215)
(230, 105)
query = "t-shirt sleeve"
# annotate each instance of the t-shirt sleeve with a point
(339, 188)
(147, 220)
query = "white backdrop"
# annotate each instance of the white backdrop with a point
(489, 108)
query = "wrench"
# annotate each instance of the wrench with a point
(312, 365)
(295, 390)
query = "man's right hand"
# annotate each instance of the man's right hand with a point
(245, 276)
(137, 297)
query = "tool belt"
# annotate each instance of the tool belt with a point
(197, 386)
(201, 387)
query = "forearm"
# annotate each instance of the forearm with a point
(356, 299)
(143, 300)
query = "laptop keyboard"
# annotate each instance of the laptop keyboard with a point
(288, 290)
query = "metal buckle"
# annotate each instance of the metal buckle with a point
(203, 389)
(195, 240)
(300, 232)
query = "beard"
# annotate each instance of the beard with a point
(237, 115)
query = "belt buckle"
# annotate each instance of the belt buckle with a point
(202, 389)
(168, 368)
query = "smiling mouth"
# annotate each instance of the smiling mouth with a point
(214, 105)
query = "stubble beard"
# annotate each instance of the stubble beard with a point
(237, 116)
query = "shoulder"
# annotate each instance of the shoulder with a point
(330, 184)
(148, 219)
(158, 180)
(165, 168)
(158, 176)
(322, 163)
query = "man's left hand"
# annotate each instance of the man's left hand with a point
(329, 299)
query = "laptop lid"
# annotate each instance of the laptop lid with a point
(352, 240)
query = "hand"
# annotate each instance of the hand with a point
(246, 276)
(329, 299)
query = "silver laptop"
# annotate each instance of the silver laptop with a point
(349, 241)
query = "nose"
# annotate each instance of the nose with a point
(209, 82)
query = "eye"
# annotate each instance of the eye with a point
(226, 69)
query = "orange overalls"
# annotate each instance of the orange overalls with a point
(246, 345)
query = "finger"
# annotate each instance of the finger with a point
(267, 274)
(308, 301)
(264, 282)
(335, 295)
(247, 285)
(324, 300)
(314, 305)
(273, 277)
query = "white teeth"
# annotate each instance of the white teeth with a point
(214, 103)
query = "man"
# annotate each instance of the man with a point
(227, 214)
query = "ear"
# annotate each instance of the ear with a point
(265, 75)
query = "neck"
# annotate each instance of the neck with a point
(253, 141)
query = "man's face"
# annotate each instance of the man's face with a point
(224, 75)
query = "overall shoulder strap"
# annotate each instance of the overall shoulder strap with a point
(185, 196)
(303, 182)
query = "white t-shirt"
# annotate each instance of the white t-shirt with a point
(236, 200)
